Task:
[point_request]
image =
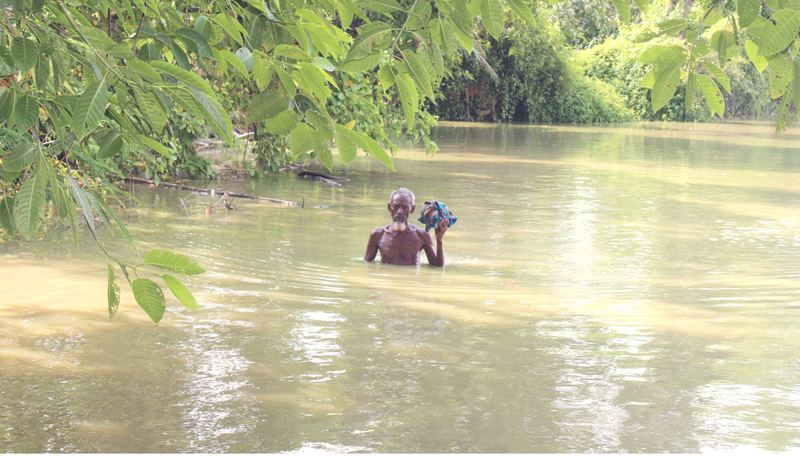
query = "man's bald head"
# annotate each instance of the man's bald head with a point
(402, 192)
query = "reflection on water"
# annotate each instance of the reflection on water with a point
(610, 289)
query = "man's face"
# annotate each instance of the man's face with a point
(401, 207)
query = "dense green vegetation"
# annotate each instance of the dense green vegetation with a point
(527, 75)
(91, 91)
(575, 64)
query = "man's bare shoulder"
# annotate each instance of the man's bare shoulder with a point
(380, 231)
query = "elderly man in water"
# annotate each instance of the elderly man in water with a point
(400, 242)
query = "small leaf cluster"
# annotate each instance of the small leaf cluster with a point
(148, 294)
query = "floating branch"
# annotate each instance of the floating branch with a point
(140, 180)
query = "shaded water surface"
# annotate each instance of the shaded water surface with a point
(606, 290)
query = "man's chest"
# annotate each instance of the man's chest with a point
(405, 247)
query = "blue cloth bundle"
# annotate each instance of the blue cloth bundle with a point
(431, 213)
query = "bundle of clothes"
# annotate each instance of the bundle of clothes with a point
(432, 212)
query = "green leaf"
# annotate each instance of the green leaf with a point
(373, 148)
(290, 52)
(313, 80)
(97, 38)
(448, 34)
(645, 36)
(147, 52)
(459, 13)
(204, 28)
(150, 298)
(321, 148)
(155, 145)
(89, 109)
(668, 76)
(246, 57)
(110, 145)
(781, 71)
(184, 98)
(231, 58)
(113, 293)
(152, 109)
(492, 16)
(42, 73)
(25, 53)
(649, 79)
(386, 7)
(474, 7)
(418, 73)
(409, 97)
(464, 39)
(776, 37)
(223, 21)
(721, 77)
(363, 45)
(419, 15)
(6, 103)
(215, 115)
(624, 10)
(300, 140)
(186, 77)
(747, 10)
(145, 70)
(751, 48)
(266, 105)
(262, 73)
(721, 40)
(386, 77)
(180, 56)
(523, 10)
(7, 66)
(347, 146)
(195, 41)
(21, 157)
(83, 203)
(26, 112)
(283, 123)
(172, 261)
(7, 215)
(362, 65)
(701, 48)
(180, 291)
(287, 83)
(711, 93)
(29, 205)
(323, 63)
(322, 122)
(671, 26)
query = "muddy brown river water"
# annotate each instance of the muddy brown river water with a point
(607, 289)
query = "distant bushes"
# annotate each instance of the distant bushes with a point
(531, 75)
(536, 81)
(616, 62)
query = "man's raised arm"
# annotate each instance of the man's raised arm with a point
(435, 258)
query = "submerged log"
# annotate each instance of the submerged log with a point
(320, 175)
(213, 191)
